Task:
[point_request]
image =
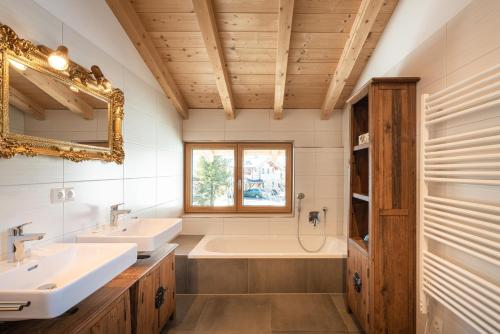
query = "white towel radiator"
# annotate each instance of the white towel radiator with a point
(471, 157)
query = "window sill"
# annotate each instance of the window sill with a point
(237, 215)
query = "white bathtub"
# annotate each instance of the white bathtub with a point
(265, 246)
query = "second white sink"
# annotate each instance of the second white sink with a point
(148, 234)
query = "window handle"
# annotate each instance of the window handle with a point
(239, 184)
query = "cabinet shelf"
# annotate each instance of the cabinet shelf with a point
(360, 243)
(361, 197)
(361, 147)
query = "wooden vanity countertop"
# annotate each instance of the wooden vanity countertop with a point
(92, 308)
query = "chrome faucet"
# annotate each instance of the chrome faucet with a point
(16, 240)
(114, 213)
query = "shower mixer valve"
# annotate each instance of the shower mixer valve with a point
(314, 218)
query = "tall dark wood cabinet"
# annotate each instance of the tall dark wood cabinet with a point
(381, 264)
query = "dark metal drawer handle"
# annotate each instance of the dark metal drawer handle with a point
(356, 280)
(160, 297)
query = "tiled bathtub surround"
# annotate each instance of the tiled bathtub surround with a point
(319, 166)
(153, 149)
(242, 276)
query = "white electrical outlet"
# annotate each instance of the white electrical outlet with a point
(57, 195)
(437, 325)
(70, 194)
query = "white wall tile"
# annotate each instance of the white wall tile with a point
(305, 161)
(139, 194)
(332, 124)
(139, 94)
(295, 120)
(203, 135)
(469, 34)
(204, 120)
(168, 135)
(200, 226)
(92, 204)
(282, 227)
(169, 163)
(91, 170)
(328, 186)
(140, 161)
(139, 127)
(246, 135)
(30, 203)
(327, 139)
(329, 162)
(26, 170)
(300, 139)
(168, 189)
(170, 209)
(249, 120)
(246, 227)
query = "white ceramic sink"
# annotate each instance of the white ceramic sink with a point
(56, 277)
(148, 234)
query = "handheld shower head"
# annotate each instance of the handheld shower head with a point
(300, 197)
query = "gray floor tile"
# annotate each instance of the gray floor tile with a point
(188, 312)
(242, 314)
(339, 301)
(262, 314)
(305, 312)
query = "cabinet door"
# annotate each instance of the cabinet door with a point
(147, 315)
(167, 282)
(357, 284)
(116, 320)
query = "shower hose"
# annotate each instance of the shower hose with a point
(299, 209)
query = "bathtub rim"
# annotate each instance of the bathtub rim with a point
(198, 251)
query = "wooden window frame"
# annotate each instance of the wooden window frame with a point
(238, 148)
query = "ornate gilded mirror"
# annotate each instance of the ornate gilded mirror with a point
(70, 112)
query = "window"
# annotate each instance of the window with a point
(238, 177)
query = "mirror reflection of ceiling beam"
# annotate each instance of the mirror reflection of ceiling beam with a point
(60, 93)
(25, 104)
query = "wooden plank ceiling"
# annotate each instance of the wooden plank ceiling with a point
(248, 34)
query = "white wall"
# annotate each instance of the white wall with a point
(150, 180)
(319, 166)
(412, 22)
(461, 46)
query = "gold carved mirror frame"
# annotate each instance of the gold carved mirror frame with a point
(35, 57)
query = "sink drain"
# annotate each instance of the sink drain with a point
(48, 286)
